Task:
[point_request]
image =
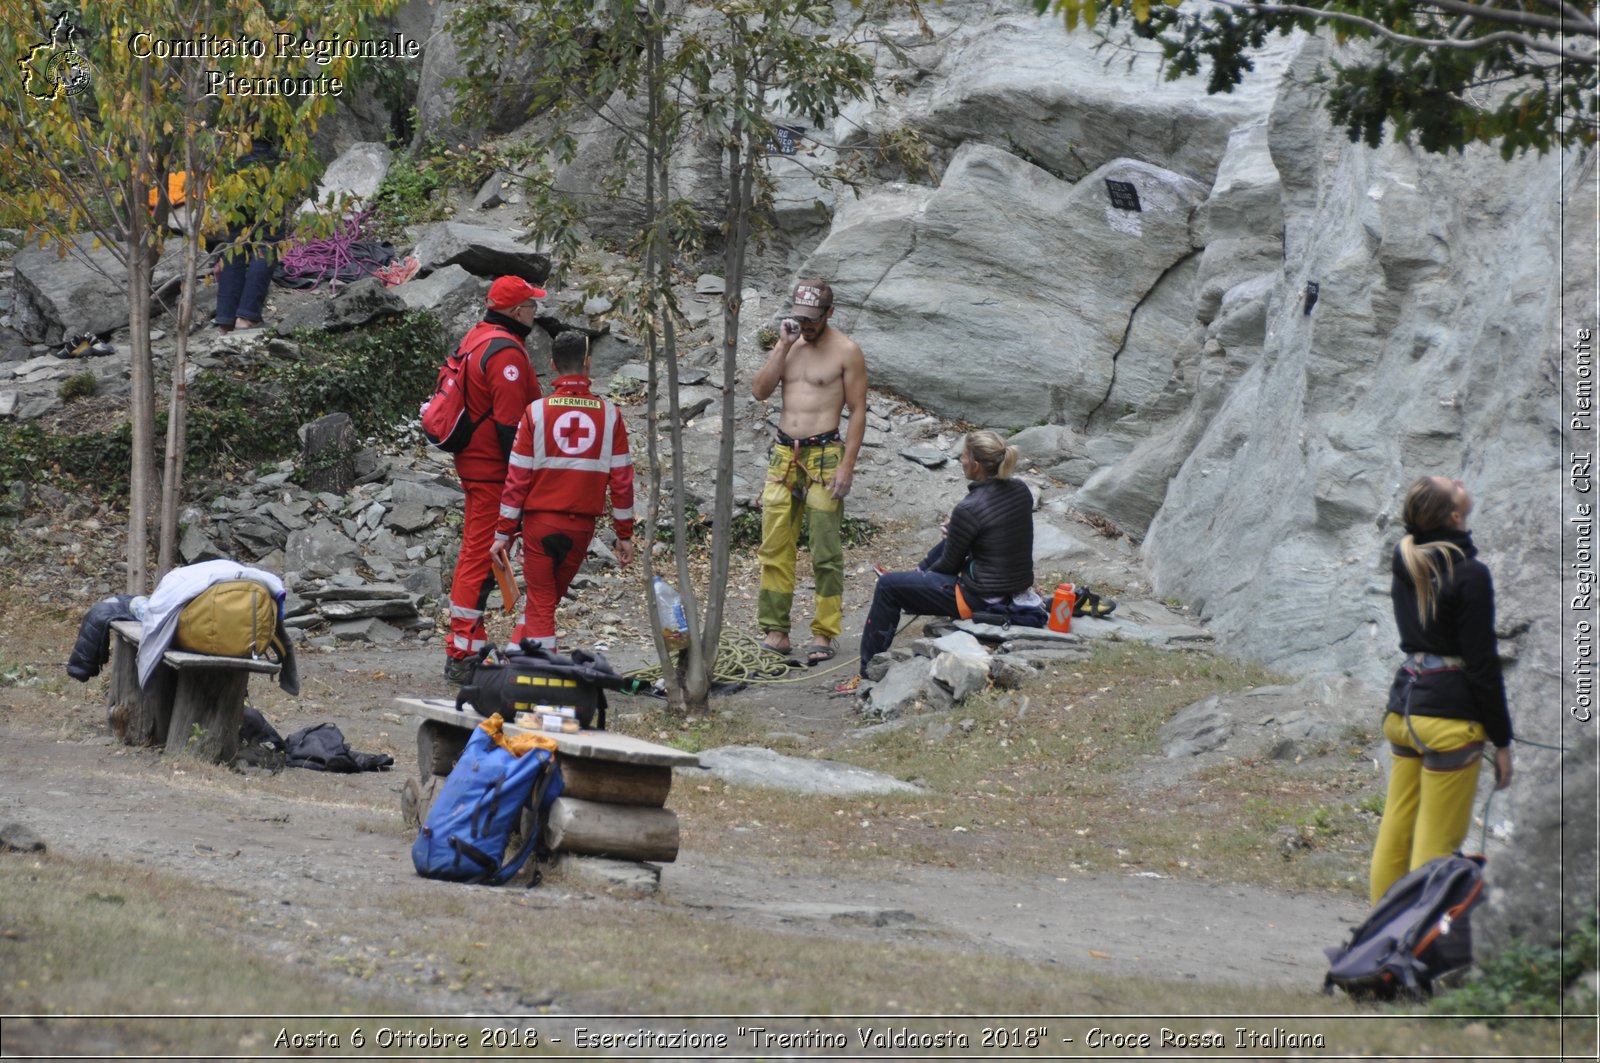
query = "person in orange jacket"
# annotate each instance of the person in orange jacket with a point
(571, 449)
(499, 363)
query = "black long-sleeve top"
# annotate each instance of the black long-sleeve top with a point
(1462, 626)
(989, 544)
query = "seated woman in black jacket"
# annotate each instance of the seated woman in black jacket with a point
(985, 560)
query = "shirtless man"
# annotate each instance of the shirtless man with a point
(821, 371)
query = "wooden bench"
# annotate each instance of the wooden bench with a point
(614, 786)
(193, 703)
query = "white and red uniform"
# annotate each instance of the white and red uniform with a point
(571, 448)
(500, 384)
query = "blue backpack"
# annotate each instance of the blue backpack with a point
(469, 825)
(1418, 932)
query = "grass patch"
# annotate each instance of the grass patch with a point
(88, 937)
(1068, 775)
(1529, 979)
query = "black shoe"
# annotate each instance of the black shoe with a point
(460, 670)
(1092, 605)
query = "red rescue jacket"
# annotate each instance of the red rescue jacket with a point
(500, 384)
(570, 447)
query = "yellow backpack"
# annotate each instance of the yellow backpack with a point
(232, 618)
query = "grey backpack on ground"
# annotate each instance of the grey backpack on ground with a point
(1418, 932)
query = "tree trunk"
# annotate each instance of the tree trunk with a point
(141, 244)
(655, 247)
(178, 400)
(741, 182)
(141, 411)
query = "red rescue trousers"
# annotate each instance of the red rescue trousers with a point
(474, 578)
(553, 547)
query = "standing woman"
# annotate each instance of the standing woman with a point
(1448, 697)
(244, 274)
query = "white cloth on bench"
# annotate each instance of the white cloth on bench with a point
(176, 589)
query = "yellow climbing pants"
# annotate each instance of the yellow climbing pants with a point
(1427, 812)
(796, 488)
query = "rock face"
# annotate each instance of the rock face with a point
(443, 62)
(1258, 440)
(58, 296)
(481, 251)
(356, 173)
(1051, 350)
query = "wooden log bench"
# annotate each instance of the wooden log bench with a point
(193, 703)
(614, 786)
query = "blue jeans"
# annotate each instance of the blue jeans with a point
(242, 287)
(919, 592)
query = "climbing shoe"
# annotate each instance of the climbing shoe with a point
(1091, 604)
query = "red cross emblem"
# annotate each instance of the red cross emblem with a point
(574, 432)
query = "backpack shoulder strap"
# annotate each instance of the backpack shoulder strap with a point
(498, 342)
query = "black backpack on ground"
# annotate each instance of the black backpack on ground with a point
(1418, 932)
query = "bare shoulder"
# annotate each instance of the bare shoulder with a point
(850, 351)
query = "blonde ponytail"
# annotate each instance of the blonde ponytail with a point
(1428, 565)
(992, 454)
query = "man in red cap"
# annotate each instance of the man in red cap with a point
(499, 362)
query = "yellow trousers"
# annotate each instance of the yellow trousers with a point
(797, 488)
(1427, 812)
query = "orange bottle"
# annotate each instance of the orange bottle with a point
(1061, 609)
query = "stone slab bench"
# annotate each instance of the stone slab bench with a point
(614, 786)
(193, 703)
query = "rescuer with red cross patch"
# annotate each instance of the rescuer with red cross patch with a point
(571, 449)
(498, 384)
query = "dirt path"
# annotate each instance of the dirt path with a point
(301, 843)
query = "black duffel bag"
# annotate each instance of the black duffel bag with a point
(519, 680)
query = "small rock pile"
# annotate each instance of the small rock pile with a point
(955, 660)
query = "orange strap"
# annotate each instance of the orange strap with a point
(519, 744)
(963, 610)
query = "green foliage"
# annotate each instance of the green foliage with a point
(1527, 979)
(410, 194)
(727, 77)
(377, 376)
(78, 386)
(857, 531)
(99, 126)
(414, 189)
(29, 454)
(87, 158)
(730, 78)
(1442, 74)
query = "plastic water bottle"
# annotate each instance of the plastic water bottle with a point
(669, 614)
(1061, 607)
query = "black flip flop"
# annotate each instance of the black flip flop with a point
(817, 654)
